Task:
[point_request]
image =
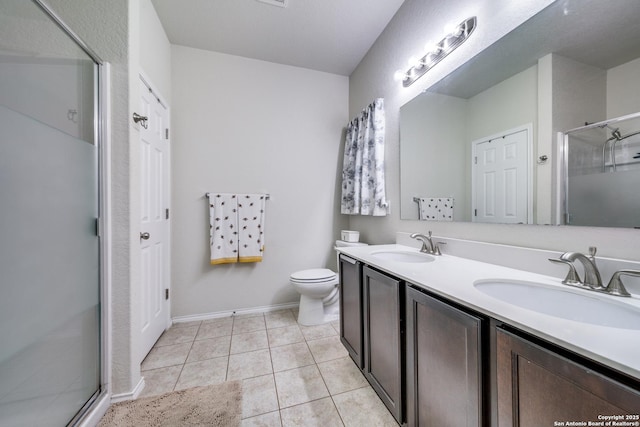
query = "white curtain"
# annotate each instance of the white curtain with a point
(363, 190)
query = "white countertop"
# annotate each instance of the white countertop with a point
(453, 277)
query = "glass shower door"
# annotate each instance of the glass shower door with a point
(49, 247)
(603, 173)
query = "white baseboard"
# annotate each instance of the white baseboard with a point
(238, 312)
(133, 394)
(92, 418)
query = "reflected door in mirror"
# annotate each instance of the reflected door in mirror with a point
(501, 183)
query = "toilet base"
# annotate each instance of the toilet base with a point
(312, 311)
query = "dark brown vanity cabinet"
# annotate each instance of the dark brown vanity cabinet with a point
(351, 328)
(434, 362)
(444, 371)
(383, 338)
(539, 387)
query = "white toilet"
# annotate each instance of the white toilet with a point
(319, 294)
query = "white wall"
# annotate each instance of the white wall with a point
(579, 93)
(243, 125)
(434, 146)
(415, 22)
(154, 50)
(507, 105)
(623, 98)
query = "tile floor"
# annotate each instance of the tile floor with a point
(291, 375)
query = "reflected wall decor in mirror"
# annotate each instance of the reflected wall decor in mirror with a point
(488, 138)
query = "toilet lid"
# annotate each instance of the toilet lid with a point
(315, 274)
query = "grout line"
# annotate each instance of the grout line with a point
(186, 358)
(272, 373)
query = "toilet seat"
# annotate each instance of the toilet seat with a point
(315, 275)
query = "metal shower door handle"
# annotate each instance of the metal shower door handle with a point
(145, 236)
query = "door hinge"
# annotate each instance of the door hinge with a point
(475, 160)
(475, 212)
(98, 231)
(166, 213)
(166, 293)
(166, 133)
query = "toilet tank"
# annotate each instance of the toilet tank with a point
(343, 244)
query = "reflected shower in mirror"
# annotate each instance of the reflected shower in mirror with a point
(603, 173)
(486, 135)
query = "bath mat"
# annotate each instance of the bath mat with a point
(215, 405)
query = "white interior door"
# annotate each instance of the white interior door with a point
(501, 178)
(154, 219)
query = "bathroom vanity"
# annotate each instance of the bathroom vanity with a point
(440, 348)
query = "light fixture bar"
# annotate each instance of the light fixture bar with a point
(439, 51)
(279, 3)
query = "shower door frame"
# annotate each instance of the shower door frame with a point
(93, 410)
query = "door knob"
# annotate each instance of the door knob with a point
(145, 236)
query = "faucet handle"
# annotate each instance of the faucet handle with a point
(572, 277)
(615, 286)
(436, 247)
(422, 238)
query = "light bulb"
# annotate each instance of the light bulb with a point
(449, 28)
(452, 30)
(431, 48)
(399, 76)
(415, 62)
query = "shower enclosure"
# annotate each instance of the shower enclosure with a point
(602, 173)
(50, 251)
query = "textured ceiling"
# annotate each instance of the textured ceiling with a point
(323, 35)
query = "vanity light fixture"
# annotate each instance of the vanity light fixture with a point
(279, 3)
(436, 52)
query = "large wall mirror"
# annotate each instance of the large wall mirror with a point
(485, 144)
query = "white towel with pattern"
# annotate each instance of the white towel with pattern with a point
(251, 214)
(435, 208)
(223, 228)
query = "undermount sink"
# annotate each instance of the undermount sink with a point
(563, 303)
(403, 256)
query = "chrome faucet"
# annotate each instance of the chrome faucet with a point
(592, 278)
(428, 246)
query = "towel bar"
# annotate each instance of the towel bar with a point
(417, 199)
(266, 195)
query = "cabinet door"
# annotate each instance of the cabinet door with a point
(351, 328)
(383, 338)
(537, 387)
(444, 382)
